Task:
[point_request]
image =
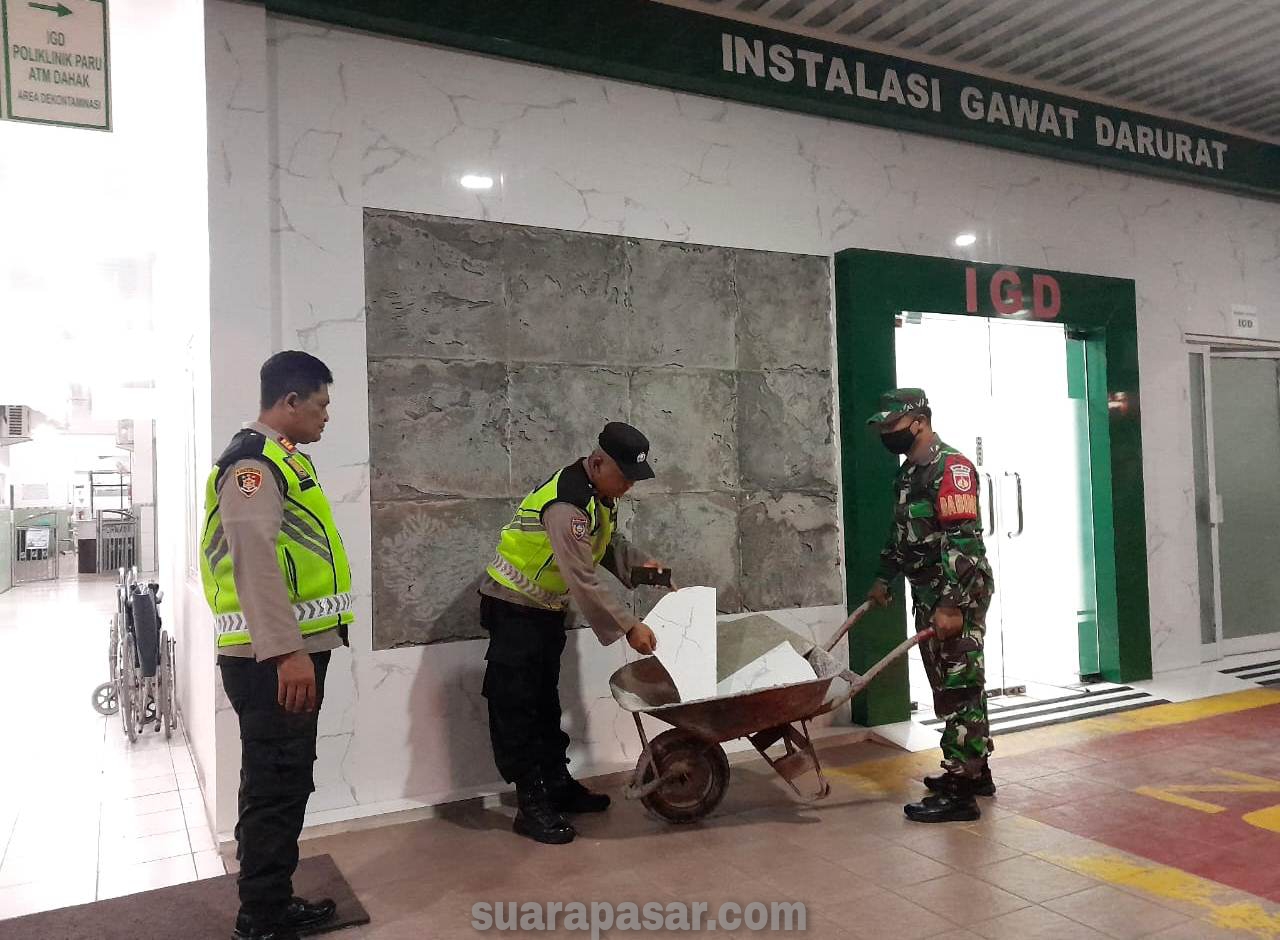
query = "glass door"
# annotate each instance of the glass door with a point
(1010, 395)
(950, 358)
(1039, 453)
(1241, 519)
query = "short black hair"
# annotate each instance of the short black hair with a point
(292, 371)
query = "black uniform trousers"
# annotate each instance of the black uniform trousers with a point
(277, 754)
(522, 685)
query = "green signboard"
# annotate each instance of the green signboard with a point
(55, 67)
(648, 42)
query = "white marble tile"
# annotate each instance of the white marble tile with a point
(782, 665)
(118, 880)
(684, 623)
(59, 890)
(209, 865)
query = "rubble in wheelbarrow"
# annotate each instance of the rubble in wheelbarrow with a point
(780, 666)
(707, 658)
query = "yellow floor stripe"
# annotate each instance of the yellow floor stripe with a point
(1169, 796)
(1221, 906)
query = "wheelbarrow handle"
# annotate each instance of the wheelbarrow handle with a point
(859, 682)
(848, 625)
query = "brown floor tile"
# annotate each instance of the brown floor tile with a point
(1035, 923)
(1032, 878)
(960, 848)
(1116, 913)
(820, 884)
(962, 899)
(1200, 930)
(883, 915)
(896, 866)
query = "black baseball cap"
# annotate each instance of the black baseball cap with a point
(629, 450)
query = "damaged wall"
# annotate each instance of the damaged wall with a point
(496, 352)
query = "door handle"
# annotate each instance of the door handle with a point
(990, 527)
(1017, 479)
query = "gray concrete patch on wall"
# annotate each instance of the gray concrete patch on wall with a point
(496, 353)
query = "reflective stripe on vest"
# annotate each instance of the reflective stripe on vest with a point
(305, 612)
(527, 587)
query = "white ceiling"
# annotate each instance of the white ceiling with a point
(1211, 62)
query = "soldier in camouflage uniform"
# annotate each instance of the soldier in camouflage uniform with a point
(936, 543)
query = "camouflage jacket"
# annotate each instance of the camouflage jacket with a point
(936, 540)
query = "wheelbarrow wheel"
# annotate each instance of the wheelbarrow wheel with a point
(698, 774)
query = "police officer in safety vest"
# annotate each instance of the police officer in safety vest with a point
(546, 556)
(277, 580)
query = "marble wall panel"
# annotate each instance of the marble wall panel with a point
(790, 551)
(596, 328)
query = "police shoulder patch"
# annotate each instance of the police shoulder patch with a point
(248, 480)
(579, 528)
(957, 494)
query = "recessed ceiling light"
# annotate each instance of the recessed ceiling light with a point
(474, 181)
(965, 239)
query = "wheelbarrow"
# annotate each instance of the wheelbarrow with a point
(682, 774)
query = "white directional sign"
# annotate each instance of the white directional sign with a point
(55, 62)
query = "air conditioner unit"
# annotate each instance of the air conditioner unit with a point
(15, 423)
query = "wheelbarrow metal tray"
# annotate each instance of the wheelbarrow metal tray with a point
(646, 687)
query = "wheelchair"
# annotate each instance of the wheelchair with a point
(140, 656)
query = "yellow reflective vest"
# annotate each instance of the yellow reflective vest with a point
(524, 560)
(309, 550)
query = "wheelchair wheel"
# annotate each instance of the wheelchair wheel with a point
(104, 699)
(130, 690)
(164, 680)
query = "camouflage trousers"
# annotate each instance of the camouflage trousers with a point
(955, 670)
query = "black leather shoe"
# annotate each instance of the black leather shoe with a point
(570, 796)
(249, 928)
(302, 914)
(536, 817)
(955, 783)
(943, 807)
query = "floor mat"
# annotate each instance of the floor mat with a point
(197, 910)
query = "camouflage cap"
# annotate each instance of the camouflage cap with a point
(901, 401)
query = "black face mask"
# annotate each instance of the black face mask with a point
(900, 441)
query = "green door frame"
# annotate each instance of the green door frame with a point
(872, 289)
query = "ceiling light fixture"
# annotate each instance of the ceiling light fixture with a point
(474, 181)
(965, 239)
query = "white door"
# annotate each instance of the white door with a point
(929, 347)
(1044, 516)
(1000, 394)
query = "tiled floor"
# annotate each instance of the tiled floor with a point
(1033, 867)
(1109, 827)
(84, 814)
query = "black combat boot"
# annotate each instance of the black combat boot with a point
(570, 796)
(536, 817)
(253, 928)
(304, 915)
(943, 807)
(956, 783)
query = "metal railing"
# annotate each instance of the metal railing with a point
(117, 540)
